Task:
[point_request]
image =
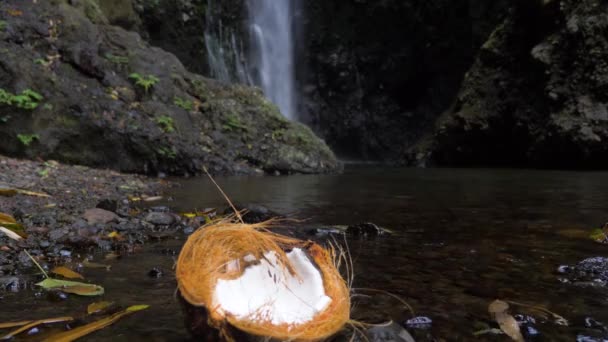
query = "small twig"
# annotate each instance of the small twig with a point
(37, 264)
(236, 212)
(409, 307)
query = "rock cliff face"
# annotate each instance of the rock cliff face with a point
(75, 88)
(466, 83)
(380, 72)
(536, 94)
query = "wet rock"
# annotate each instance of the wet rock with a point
(591, 271)
(155, 272)
(420, 322)
(367, 229)
(107, 204)
(57, 234)
(390, 333)
(90, 118)
(160, 218)
(12, 283)
(24, 259)
(99, 216)
(255, 213)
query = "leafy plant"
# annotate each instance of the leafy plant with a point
(167, 152)
(27, 139)
(166, 123)
(184, 104)
(145, 82)
(27, 99)
(233, 122)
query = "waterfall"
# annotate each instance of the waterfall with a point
(269, 62)
(224, 52)
(271, 54)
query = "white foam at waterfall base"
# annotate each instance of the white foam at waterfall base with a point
(267, 292)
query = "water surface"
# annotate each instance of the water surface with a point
(462, 238)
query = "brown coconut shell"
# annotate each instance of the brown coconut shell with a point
(202, 262)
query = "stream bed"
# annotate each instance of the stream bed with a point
(461, 238)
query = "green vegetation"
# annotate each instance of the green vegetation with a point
(3, 25)
(167, 152)
(143, 81)
(27, 99)
(116, 59)
(233, 122)
(166, 123)
(184, 104)
(27, 139)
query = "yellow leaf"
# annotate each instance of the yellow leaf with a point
(32, 324)
(114, 235)
(90, 264)
(97, 307)
(66, 273)
(32, 193)
(84, 330)
(13, 324)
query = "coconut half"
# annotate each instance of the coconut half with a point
(269, 292)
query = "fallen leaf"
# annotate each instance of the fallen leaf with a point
(153, 198)
(32, 193)
(498, 306)
(82, 289)
(13, 324)
(32, 324)
(76, 333)
(11, 234)
(507, 323)
(97, 307)
(115, 235)
(112, 256)
(66, 273)
(90, 264)
(9, 222)
(7, 192)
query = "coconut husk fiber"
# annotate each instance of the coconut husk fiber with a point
(211, 253)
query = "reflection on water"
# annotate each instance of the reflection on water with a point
(462, 238)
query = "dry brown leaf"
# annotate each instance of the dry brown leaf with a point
(84, 330)
(66, 273)
(13, 324)
(97, 307)
(33, 324)
(498, 306)
(90, 264)
(508, 324)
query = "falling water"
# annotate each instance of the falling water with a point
(269, 62)
(271, 54)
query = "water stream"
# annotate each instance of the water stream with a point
(462, 238)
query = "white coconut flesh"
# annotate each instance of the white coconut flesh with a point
(267, 292)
